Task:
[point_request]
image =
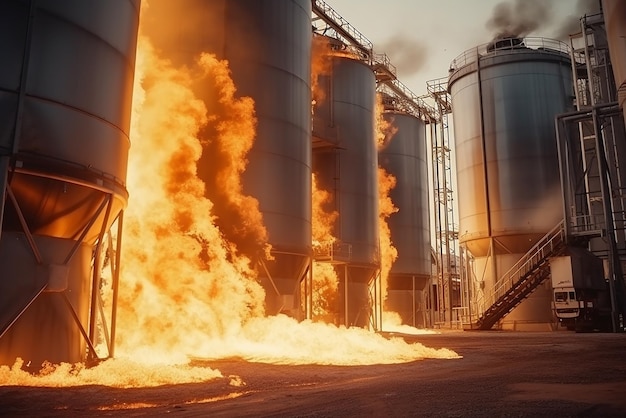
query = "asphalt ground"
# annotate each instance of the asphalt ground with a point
(500, 374)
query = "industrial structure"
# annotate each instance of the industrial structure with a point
(447, 295)
(529, 193)
(540, 156)
(343, 124)
(268, 41)
(584, 135)
(505, 96)
(65, 99)
(405, 157)
(345, 163)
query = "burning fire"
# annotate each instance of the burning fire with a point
(386, 183)
(186, 291)
(321, 64)
(325, 280)
(177, 266)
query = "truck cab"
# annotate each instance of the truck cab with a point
(565, 303)
(580, 291)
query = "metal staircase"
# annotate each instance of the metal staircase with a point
(519, 281)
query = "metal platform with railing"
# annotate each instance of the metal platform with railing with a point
(504, 46)
(333, 252)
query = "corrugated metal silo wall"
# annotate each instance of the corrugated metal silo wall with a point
(267, 44)
(506, 159)
(348, 169)
(405, 158)
(615, 19)
(65, 98)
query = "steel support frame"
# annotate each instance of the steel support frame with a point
(305, 277)
(595, 114)
(95, 297)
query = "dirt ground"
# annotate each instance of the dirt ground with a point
(501, 374)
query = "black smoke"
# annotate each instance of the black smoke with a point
(407, 54)
(519, 18)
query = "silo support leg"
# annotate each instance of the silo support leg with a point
(82, 330)
(115, 271)
(103, 322)
(95, 286)
(27, 233)
(4, 173)
(87, 227)
(7, 319)
(271, 280)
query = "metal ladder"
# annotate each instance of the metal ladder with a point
(520, 280)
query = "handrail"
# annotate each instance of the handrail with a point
(332, 251)
(407, 100)
(532, 43)
(342, 26)
(383, 60)
(529, 261)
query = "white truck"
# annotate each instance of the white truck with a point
(581, 298)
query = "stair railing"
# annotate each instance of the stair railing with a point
(528, 262)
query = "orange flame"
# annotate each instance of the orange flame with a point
(384, 129)
(226, 138)
(324, 218)
(386, 182)
(185, 288)
(321, 64)
(176, 264)
(325, 279)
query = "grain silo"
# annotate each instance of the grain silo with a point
(65, 99)
(505, 96)
(345, 163)
(267, 45)
(404, 156)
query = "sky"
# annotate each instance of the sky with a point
(423, 37)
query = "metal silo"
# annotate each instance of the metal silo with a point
(345, 162)
(404, 157)
(65, 99)
(267, 44)
(505, 96)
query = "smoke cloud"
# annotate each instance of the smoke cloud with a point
(519, 18)
(407, 54)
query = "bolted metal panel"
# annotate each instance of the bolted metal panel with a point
(65, 99)
(348, 168)
(405, 158)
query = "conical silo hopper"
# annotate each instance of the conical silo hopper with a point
(65, 103)
(345, 163)
(267, 46)
(505, 96)
(404, 156)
